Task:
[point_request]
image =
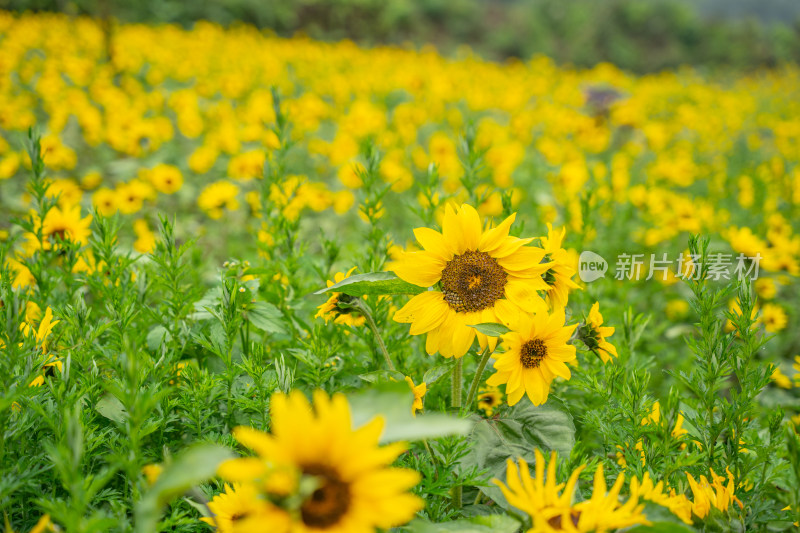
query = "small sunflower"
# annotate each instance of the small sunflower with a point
(241, 509)
(340, 314)
(356, 488)
(550, 505)
(594, 335)
(60, 223)
(559, 276)
(419, 391)
(475, 276)
(536, 351)
(489, 399)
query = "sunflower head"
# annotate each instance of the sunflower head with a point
(536, 351)
(489, 399)
(322, 470)
(475, 274)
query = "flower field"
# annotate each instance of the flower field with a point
(256, 284)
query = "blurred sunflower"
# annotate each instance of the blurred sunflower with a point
(715, 493)
(536, 352)
(338, 307)
(489, 399)
(61, 224)
(356, 489)
(479, 276)
(240, 509)
(419, 391)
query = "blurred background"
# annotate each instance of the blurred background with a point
(638, 35)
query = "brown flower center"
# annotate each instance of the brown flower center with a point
(473, 281)
(556, 524)
(532, 353)
(329, 503)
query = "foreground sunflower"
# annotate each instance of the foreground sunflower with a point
(240, 509)
(550, 505)
(353, 487)
(536, 351)
(476, 276)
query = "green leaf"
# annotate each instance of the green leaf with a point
(492, 329)
(190, 468)
(434, 374)
(379, 376)
(374, 283)
(519, 431)
(157, 336)
(393, 402)
(266, 317)
(494, 523)
(110, 407)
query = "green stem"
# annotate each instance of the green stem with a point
(473, 388)
(371, 323)
(456, 387)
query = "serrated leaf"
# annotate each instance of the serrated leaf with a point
(477, 524)
(374, 283)
(266, 317)
(110, 407)
(393, 402)
(190, 468)
(519, 431)
(492, 329)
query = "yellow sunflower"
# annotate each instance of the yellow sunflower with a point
(595, 335)
(331, 309)
(241, 509)
(536, 351)
(489, 399)
(356, 488)
(61, 223)
(715, 493)
(476, 276)
(550, 505)
(559, 276)
(654, 492)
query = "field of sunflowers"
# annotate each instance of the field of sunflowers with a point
(254, 284)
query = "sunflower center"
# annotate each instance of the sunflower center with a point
(60, 233)
(329, 503)
(473, 281)
(556, 524)
(238, 516)
(532, 353)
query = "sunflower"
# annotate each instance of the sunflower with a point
(559, 276)
(535, 353)
(489, 399)
(654, 492)
(594, 335)
(354, 488)
(60, 224)
(241, 509)
(550, 505)
(707, 494)
(343, 314)
(477, 276)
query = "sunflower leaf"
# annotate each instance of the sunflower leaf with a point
(392, 401)
(516, 432)
(266, 317)
(373, 283)
(491, 329)
(190, 468)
